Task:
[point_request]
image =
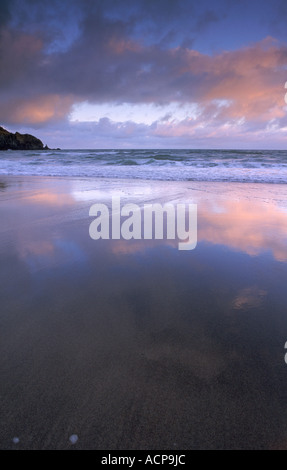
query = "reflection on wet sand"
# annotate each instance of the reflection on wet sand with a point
(253, 228)
(3, 185)
(249, 226)
(135, 344)
(50, 199)
(249, 297)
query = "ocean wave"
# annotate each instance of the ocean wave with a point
(187, 165)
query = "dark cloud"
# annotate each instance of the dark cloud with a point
(5, 12)
(205, 19)
(55, 53)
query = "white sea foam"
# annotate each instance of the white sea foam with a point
(268, 166)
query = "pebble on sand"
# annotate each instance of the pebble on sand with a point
(73, 438)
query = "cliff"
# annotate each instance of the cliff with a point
(17, 141)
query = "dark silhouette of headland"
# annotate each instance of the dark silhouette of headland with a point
(17, 141)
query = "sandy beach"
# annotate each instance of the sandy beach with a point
(133, 344)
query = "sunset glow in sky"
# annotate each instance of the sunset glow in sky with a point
(145, 73)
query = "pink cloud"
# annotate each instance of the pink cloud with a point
(37, 110)
(237, 94)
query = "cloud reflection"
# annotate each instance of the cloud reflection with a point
(248, 226)
(252, 224)
(249, 297)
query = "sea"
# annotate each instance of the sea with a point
(252, 166)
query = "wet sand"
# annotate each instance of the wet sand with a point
(135, 344)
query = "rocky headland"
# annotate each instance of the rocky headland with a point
(17, 141)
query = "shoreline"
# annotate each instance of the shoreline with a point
(149, 190)
(146, 180)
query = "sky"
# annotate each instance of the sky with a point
(145, 73)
